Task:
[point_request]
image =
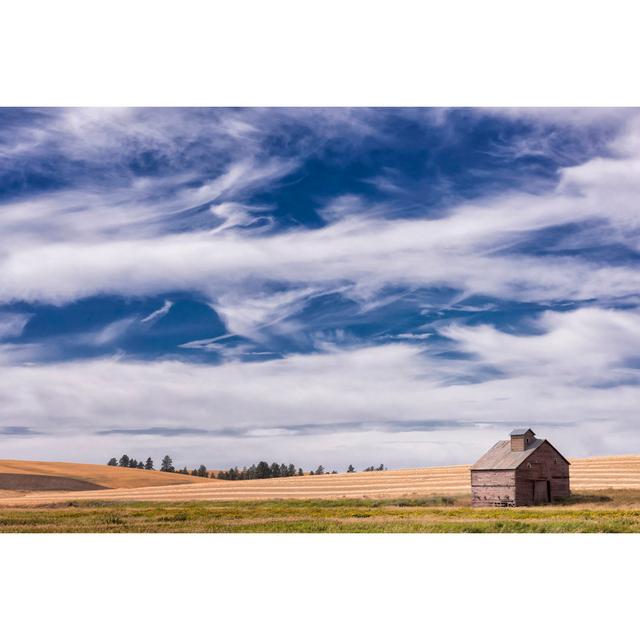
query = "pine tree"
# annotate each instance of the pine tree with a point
(300, 472)
(167, 465)
(124, 461)
(133, 463)
(351, 469)
(140, 465)
(319, 470)
(291, 470)
(148, 465)
(275, 470)
(263, 470)
(112, 462)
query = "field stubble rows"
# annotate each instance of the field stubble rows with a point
(587, 474)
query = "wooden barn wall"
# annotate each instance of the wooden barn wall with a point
(491, 488)
(543, 464)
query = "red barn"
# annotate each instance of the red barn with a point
(521, 471)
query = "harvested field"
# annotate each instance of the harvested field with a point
(26, 477)
(589, 474)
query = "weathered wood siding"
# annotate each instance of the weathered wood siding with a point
(493, 488)
(543, 464)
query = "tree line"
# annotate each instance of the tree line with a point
(132, 463)
(201, 472)
(166, 464)
(260, 471)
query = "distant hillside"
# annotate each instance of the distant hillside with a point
(28, 475)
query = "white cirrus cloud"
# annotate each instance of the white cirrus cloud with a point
(12, 324)
(474, 247)
(154, 316)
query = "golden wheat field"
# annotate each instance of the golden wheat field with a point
(27, 477)
(587, 474)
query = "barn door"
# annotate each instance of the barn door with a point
(540, 492)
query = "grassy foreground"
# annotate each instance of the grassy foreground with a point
(598, 513)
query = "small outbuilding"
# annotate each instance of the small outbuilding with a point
(521, 471)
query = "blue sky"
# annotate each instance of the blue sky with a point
(326, 286)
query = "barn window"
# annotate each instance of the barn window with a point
(555, 460)
(528, 465)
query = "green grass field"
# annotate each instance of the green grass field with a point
(602, 512)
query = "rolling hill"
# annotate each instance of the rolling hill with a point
(18, 477)
(610, 472)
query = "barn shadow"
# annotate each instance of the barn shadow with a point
(584, 498)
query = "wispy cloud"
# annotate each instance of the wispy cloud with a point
(589, 346)
(158, 313)
(163, 432)
(12, 324)
(19, 432)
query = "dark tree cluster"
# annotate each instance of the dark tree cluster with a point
(260, 471)
(166, 465)
(320, 472)
(131, 463)
(201, 472)
(372, 468)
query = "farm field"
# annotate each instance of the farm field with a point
(25, 477)
(606, 498)
(587, 474)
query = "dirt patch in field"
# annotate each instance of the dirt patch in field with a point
(31, 482)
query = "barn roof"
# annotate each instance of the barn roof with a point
(500, 455)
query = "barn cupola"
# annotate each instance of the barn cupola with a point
(521, 439)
